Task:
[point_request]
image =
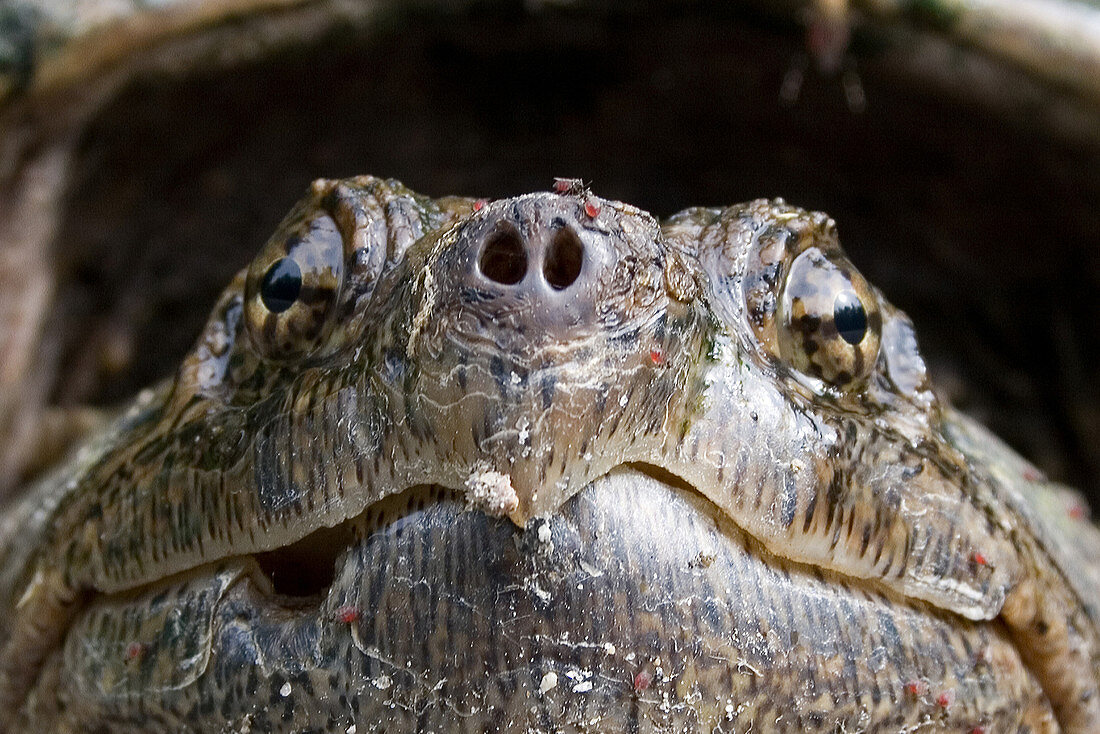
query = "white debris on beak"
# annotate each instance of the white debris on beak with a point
(491, 492)
(549, 682)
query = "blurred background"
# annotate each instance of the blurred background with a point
(147, 150)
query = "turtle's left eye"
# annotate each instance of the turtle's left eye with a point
(281, 285)
(292, 287)
(828, 321)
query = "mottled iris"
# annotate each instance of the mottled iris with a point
(829, 321)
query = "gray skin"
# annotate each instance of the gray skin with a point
(569, 469)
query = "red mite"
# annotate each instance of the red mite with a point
(134, 651)
(1076, 511)
(568, 186)
(657, 357)
(591, 207)
(642, 680)
(347, 614)
(979, 559)
(978, 730)
(480, 204)
(916, 687)
(945, 699)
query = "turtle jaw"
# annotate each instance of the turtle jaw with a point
(519, 440)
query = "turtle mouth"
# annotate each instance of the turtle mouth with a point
(638, 595)
(304, 571)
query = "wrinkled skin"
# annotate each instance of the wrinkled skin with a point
(571, 469)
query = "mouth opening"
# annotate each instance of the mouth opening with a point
(307, 568)
(663, 476)
(304, 571)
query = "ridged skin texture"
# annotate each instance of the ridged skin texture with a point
(575, 470)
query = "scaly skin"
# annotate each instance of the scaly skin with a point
(733, 503)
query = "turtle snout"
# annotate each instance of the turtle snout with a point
(537, 263)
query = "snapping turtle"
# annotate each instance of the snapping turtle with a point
(545, 463)
(799, 632)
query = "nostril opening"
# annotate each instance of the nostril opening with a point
(503, 257)
(563, 261)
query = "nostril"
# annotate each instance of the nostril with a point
(503, 257)
(563, 260)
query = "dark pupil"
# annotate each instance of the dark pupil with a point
(849, 317)
(281, 285)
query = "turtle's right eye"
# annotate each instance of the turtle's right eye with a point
(850, 317)
(292, 287)
(828, 320)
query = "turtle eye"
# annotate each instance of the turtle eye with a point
(850, 317)
(293, 285)
(829, 322)
(281, 285)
